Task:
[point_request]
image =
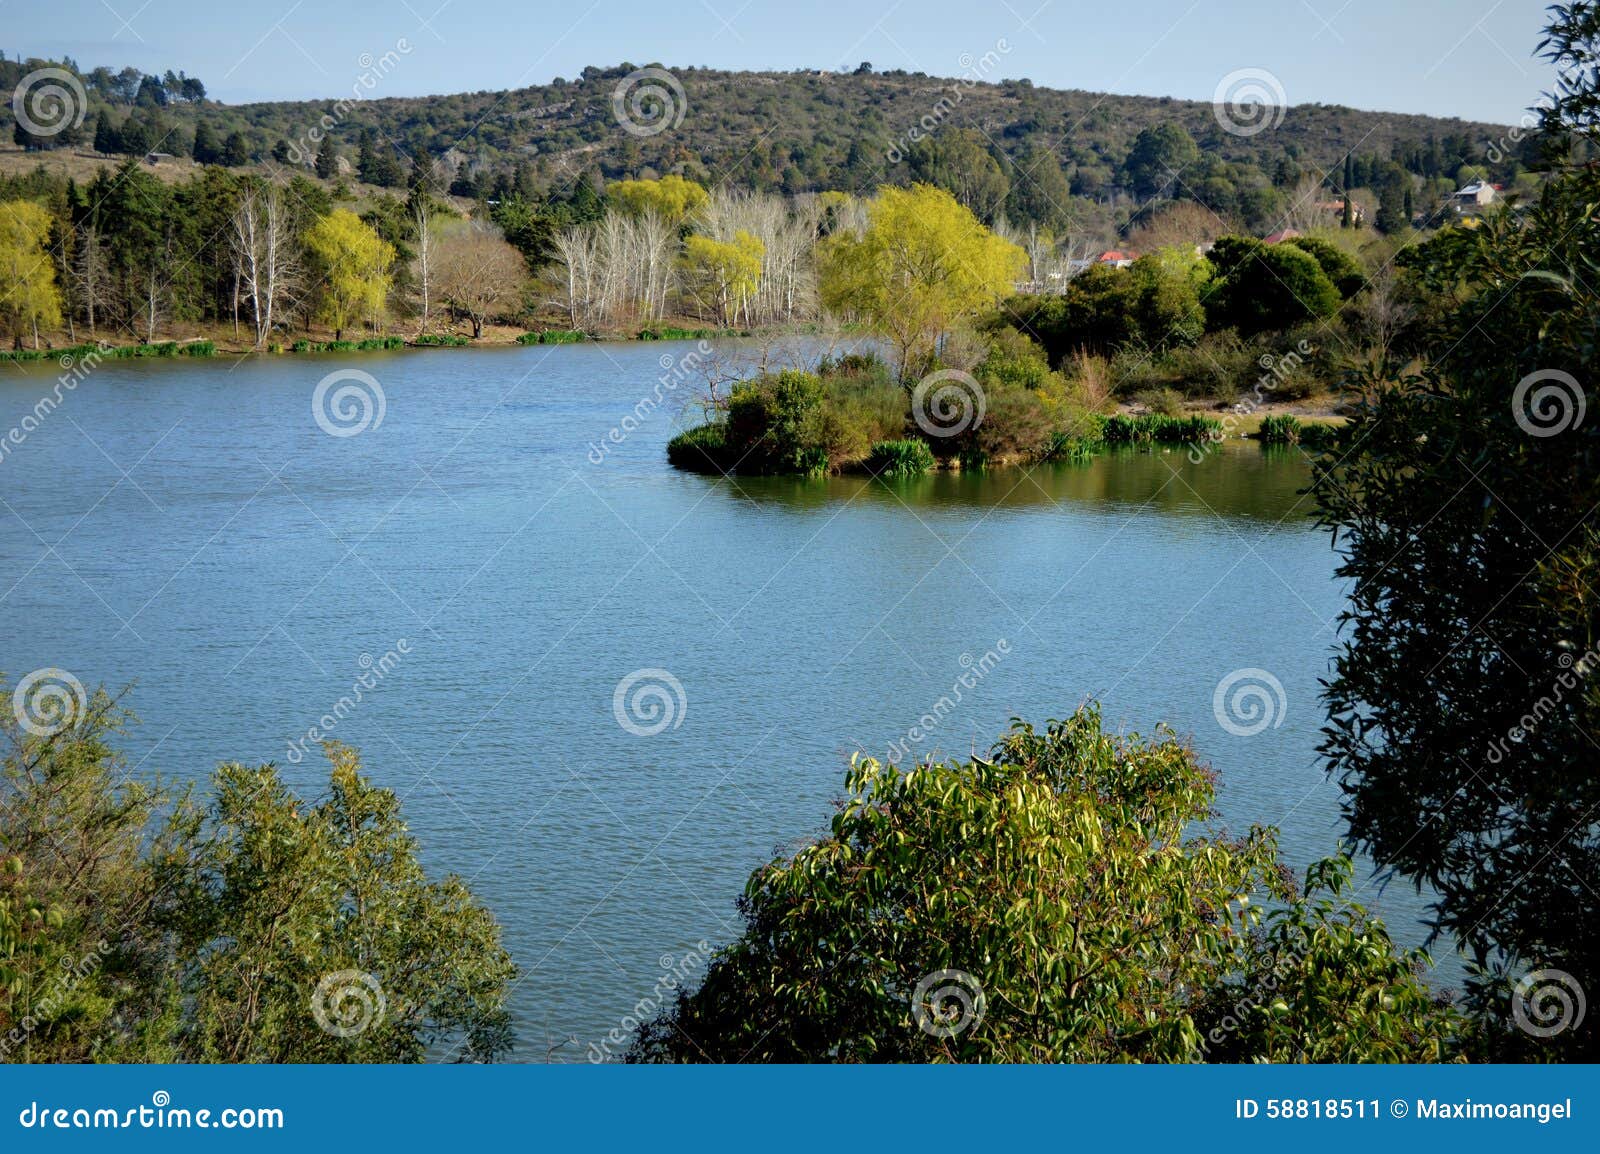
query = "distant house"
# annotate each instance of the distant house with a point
(1281, 235)
(157, 157)
(1336, 207)
(1474, 195)
(1116, 258)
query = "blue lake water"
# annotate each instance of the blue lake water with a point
(189, 527)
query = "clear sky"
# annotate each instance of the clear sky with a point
(1469, 58)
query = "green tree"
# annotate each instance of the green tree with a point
(1463, 701)
(139, 925)
(206, 149)
(327, 166)
(960, 161)
(1039, 193)
(1261, 287)
(1159, 154)
(1051, 902)
(235, 151)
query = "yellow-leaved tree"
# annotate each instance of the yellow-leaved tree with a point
(29, 297)
(724, 272)
(673, 197)
(356, 266)
(921, 266)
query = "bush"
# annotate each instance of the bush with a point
(554, 337)
(1052, 902)
(1155, 428)
(702, 449)
(440, 340)
(1280, 429)
(1167, 402)
(904, 458)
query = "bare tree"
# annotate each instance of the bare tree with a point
(263, 253)
(425, 256)
(479, 275)
(91, 279)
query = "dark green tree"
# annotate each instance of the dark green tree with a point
(1158, 157)
(235, 151)
(1464, 700)
(207, 149)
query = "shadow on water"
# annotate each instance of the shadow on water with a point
(1241, 481)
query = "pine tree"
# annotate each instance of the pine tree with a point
(328, 161)
(234, 150)
(206, 149)
(105, 135)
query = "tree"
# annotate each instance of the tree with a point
(1261, 287)
(264, 254)
(91, 282)
(141, 925)
(922, 265)
(235, 151)
(327, 160)
(725, 272)
(1039, 192)
(1051, 902)
(479, 275)
(355, 263)
(1463, 700)
(1159, 154)
(672, 196)
(1338, 265)
(959, 161)
(29, 295)
(422, 223)
(206, 148)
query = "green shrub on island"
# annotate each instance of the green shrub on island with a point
(903, 458)
(702, 449)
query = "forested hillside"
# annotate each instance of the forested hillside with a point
(1034, 154)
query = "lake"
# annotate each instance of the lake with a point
(190, 527)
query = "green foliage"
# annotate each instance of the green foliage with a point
(701, 449)
(1059, 888)
(1462, 702)
(1280, 429)
(139, 925)
(1157, 428)
(1337, 265)
(903, 458)
(1260, 287)
(440, 340)
(554, 337)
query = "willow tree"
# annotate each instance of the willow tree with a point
(356, 266)
(922, 266)
(29, 296)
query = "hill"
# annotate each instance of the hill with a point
(791, 132)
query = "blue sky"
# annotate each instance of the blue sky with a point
(1469, 58)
